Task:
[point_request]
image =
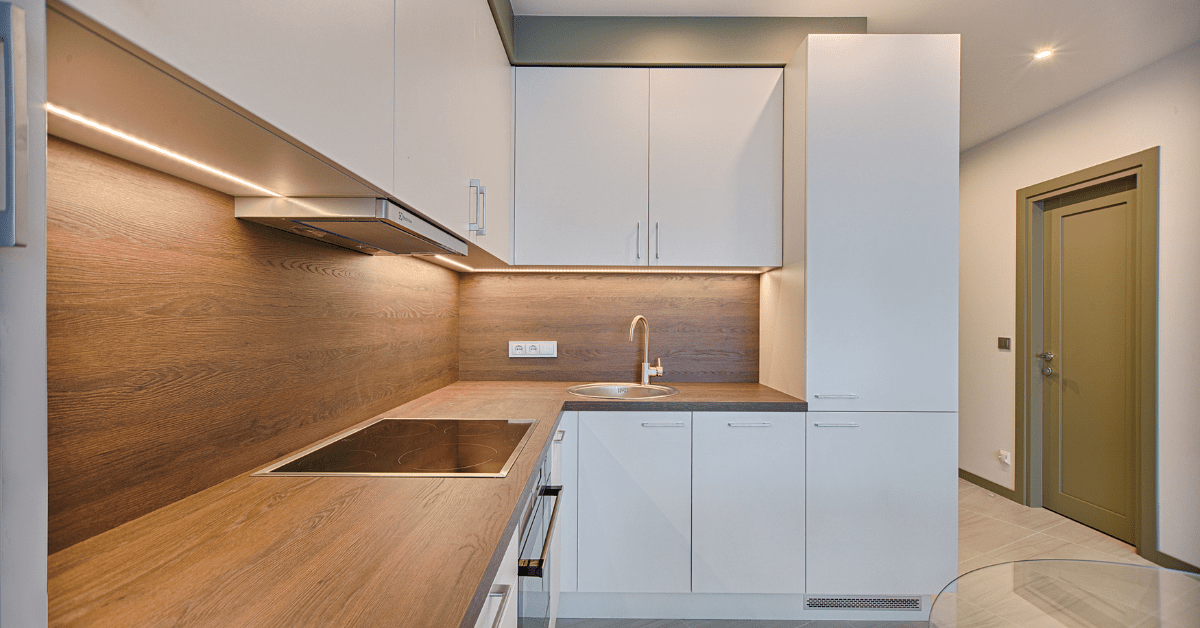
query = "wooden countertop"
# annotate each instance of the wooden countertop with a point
(337, 551)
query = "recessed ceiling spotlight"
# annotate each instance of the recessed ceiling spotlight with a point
(1043, 54)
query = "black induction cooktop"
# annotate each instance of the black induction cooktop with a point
(415, 448)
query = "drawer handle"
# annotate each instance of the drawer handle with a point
(749, 425)
(670, 424)
(501, 591)
(535, 567)
(835, 424)
(836, 396)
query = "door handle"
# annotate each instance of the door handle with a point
(1046, 355)
(749, 425)
(835, 424)
(637, 241)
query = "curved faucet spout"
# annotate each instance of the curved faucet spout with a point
(645, 336)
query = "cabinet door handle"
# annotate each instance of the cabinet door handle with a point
(535, 567)
(14, 122)
(835, 424)
(501, 591)
(671, 424)
(637, 242)
(480, 208)
(749, 425)
(657, 241)
(836, 396)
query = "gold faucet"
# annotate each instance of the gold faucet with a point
(647, 370)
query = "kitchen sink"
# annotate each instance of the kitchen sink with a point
(622, 391)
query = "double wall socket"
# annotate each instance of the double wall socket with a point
(533, 348)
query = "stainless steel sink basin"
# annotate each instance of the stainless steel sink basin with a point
(622, 391)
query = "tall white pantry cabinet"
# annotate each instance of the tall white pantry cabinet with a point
(862, 320)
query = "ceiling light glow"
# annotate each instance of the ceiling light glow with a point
(70, 115)
(1043, 54)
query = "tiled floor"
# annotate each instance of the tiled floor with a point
(991, 530)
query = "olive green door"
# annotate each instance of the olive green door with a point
(1089, 348)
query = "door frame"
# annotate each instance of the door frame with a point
(1028, 454)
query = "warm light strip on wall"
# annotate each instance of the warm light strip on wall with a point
(608, 271)
(70, 115)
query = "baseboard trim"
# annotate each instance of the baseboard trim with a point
(989, 485)
(1166, 560)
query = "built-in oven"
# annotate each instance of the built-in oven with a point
(537, 570)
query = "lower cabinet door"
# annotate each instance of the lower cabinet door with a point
(635, 502)
(748, 502)
(882, 496)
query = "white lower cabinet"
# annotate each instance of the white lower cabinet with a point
(748, 502)
(566, 473)
(500, 607)
(882, 502)
(635, 502)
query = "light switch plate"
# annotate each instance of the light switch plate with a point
(533, 348)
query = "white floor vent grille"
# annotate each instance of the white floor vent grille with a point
(865, 603)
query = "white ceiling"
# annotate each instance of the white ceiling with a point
(1095, 41)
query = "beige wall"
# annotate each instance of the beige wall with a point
(1156, 106)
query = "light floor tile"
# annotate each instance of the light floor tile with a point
(620, 623)
(1080, 534)
(979, 562)
(984, 534)
(1036, 545)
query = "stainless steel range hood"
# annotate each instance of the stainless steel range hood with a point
(374, 226)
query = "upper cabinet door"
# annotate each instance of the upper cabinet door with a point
(454, 118)
(435, 58)
(492, 136)
(716, 166)
(581, 166)
(321, 74)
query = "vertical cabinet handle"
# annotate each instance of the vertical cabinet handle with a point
(637, 241)
(14, 123)
(480, 208)
(657, 241)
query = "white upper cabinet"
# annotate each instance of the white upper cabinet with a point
(640, 166)
(881, 220)
(320, 73)
(581, 166)
(453, 118)
(716, 166)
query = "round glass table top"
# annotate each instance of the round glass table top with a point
(1069, 594)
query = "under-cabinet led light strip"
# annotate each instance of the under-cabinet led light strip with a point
(609, 271)
(70, 115)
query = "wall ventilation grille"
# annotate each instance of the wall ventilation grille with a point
(866, 603)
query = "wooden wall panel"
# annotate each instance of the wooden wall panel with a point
(704, 327)
(186, 347)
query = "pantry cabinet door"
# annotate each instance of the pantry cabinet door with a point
(716, 166)
(581, 166)
(635, 502)
(748, 502)
(320, 73)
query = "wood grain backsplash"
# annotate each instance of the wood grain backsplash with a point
(186, 347)
(704, 327)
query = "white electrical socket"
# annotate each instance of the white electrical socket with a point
(1004, 456)
(533, 349)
